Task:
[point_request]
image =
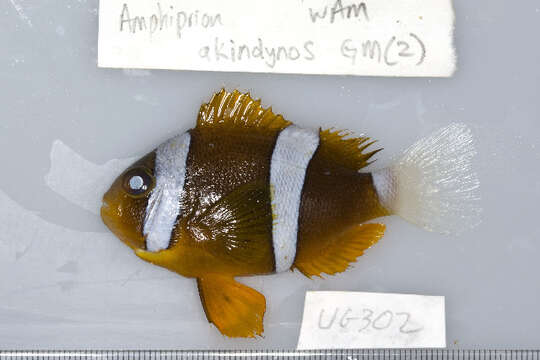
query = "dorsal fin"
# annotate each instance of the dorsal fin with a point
(347, 151)
(237, 111)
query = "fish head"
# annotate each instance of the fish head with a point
(124, 204)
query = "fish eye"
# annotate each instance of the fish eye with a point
(138, 181)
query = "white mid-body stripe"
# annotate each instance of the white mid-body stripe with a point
(293, 151)
(164, 204)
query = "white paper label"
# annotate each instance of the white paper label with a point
(383, 37)
(345, 320)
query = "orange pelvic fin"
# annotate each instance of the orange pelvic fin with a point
(165, 258)
(235, 309)
(339, 251)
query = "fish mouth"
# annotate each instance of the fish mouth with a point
(111, 221)
(107, 211)
(110, 215)
(105, 206)
(106, 215)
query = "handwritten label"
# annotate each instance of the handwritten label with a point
(387, 38)
(334, 319)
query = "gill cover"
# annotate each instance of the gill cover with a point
(164, 204)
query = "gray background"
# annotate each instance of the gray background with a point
(67, 283)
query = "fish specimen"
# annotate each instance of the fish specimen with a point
(246, 192)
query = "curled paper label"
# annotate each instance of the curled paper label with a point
(356, 320)
(382, 38)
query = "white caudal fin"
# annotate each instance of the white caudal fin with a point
(434, 185)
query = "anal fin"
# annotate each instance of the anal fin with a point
(340, 250)
(235, 309)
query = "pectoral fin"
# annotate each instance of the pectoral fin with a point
(239, 227)
(235, 309)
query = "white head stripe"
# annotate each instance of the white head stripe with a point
(293, 151)
(164, 204)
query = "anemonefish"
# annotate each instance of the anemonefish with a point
(248, 193)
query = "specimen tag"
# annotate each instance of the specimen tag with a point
(383, 38)
(347, 320)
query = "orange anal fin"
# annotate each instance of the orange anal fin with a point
(342, 250)
(235, 309)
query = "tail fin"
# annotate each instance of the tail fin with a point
(433, 185)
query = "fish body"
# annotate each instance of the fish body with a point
(246, 192)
